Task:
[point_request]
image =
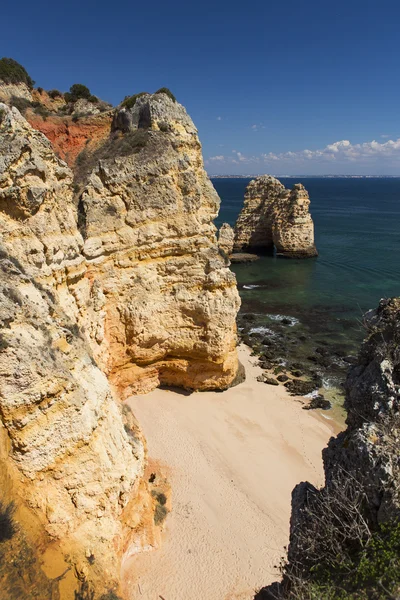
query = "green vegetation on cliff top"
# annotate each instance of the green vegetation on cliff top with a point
(12, 72)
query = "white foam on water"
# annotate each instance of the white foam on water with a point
(262, 330)
(293, 320)
(312, 394)
(250, 286)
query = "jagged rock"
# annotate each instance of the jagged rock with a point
(83, 106)
(298, 387)
(363, 460)
(273, 216)
(69, 456)
(170, 301)
(318, 402)
(14, 90)
(226, 237)
(124, 280)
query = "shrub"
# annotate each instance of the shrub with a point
(7, 527)
(78, 90)
(93, 99)
(40, 90)
(130, 101)
(22, 104)
(166, 91)
(339, 553)
(55, 94)
(2, 113)
(12, 72)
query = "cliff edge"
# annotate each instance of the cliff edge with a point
(111, 283)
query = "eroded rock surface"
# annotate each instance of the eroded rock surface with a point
(273, 216)
(111, 282)
(226, 238)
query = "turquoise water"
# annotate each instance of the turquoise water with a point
(307, 314)
(357, 234)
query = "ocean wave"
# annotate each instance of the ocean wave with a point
(293, 320)
(261, 329)
(251, 286)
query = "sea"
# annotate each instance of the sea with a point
(357, 234)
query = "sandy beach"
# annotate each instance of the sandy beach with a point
(232, 460)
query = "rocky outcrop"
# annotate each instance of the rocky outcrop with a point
(111, 283)
(73, 460)
(226, 238)
(273, 216)
(164, 302)
(362, 470)
(14, 90)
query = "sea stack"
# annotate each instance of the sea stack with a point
(275, 217)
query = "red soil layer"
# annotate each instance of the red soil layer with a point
(69, 138)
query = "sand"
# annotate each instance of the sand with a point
(232, 459)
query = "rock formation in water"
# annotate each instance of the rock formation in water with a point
(273, 216)
(362, 477)
(111, 283)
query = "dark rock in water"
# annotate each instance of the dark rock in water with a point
(322, 351)
(318, 402)
(351, 360)
(271, 381)
(297, 387)
(297, 365)
(317, 379)
(303, 338)
(297, 373)
(243, 257)
(286, 321)
(249, 317)
(282, 378)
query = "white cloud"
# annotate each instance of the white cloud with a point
(219, 118)
(257, 126)
(340, 152)
(220, 157)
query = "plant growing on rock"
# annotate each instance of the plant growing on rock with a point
(76, 92)
(130, 101)
(12, 72)
(55, 94)
(166, 91)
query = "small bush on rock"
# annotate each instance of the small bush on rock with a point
(55, 94)
(130, 101)
(22, 104)
(166, 91)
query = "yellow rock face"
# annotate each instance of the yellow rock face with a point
(111, 291)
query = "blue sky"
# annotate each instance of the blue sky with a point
(274, 87)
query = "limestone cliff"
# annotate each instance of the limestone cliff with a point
(273, 216)
(164, 302)
(111, 283)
